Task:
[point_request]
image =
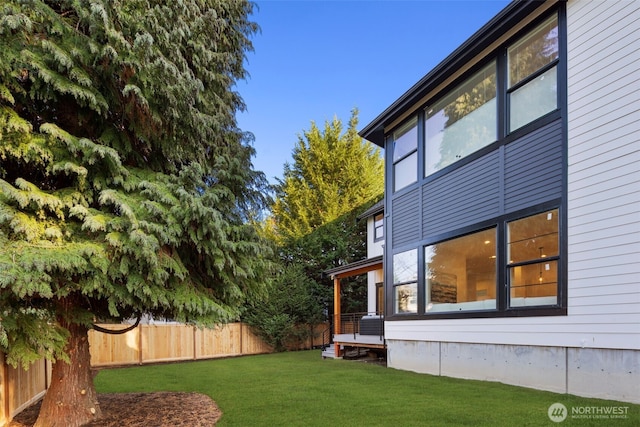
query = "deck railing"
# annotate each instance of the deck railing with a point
(363, 323)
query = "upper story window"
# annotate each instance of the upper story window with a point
(532, 75)
(462, 122)
(405, 155)
(378, 227)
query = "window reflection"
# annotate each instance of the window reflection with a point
(405, 280)
(462, 122)
(528, 58)
(405, 157)
(533, 251)
(461, 273)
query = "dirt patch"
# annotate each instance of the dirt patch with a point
(162, 409)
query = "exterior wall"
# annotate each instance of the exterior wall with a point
(374, 249)
(595, 349)
(373, 277)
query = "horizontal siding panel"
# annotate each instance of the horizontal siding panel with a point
(602, 123)
(588, 233)
(406, 218)
(613, 204)
(595, 263)
(606, 303)
(604, 277)
(463, 197)
(609, 128)
(535, 189)
(622, 166)
(582, 148)
(617, 149)
(605, 216)
(613, 49)
(618, 193)
(586, 19)
(617, 92)
(603, 238)
(594, 291)
(594, 44)
(580, 15)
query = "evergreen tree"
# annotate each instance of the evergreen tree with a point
(126, 188)
(335, 176)
(332, 174)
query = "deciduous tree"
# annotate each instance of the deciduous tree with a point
(125, 185)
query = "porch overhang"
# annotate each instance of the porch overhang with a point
(355, 268)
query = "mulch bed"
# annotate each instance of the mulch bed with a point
(161, 409)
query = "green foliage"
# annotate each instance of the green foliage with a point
(335, 176)
(333, 173)
(289, 310)
(125, 185)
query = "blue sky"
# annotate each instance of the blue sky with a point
(319, 59)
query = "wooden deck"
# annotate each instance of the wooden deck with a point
(370, 341)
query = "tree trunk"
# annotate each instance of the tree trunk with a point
(71, 399)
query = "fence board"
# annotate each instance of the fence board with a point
(107, 349)
(224, 340)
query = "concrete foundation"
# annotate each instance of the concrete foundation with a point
(599, 373)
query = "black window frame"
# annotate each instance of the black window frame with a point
(505, 136)
(415, 151)
(378, 226)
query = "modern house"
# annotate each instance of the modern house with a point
(512, 204)
(361, 330)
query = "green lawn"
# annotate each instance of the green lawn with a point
(302, 389)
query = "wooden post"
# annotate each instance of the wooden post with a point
(337, 327)
(336, 305)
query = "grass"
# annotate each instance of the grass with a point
(302, 389)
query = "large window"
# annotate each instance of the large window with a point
(533, 252)
(462, 122)
(405, 155)
(533, 75)
(460, 274)
(405, 282)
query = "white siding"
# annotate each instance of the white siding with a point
(603, 167)
(603, 197)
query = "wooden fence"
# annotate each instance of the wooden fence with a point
(172, 342)
(144, 344)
